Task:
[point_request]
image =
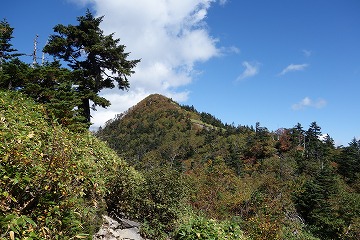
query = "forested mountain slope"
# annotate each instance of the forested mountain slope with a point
(286, 184)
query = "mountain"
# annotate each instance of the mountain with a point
(156, 124)
(159, 128)
(264, 180)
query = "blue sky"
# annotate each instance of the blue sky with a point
(278, 62)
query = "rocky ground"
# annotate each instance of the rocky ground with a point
(119, 229)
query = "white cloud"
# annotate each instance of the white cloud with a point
(307, 102)
(293, 68)
(306, 53)
(251, 69)
(231, 49)
(80, 3)
(169, 37)
(234, 49)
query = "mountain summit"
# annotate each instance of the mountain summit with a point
(159, 124)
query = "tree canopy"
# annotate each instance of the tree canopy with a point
(97, 60)
(7, 52)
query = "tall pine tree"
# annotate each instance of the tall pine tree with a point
(97, 60)
(349, 161)
(11, 68)
(7, 52)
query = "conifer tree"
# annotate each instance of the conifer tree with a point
(13, 74)
(11, 68)
(97, 60)
(313, 145)
(7, 52)
(349, 161)
(52, 85)
(298, 136)
(315, 205)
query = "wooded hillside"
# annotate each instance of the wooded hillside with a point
(287, 184)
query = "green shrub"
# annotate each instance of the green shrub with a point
(298, 235)
(52, 182)
(165, 194)
(197, 227)
(155, 198)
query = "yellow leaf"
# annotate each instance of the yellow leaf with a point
(31, 135)
(81, 236)
(12, 235)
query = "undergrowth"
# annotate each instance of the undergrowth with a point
(52, 182)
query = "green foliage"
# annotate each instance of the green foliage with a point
(11, 68)
(327, 208)
(91, 54)
(197, 227)
(154, 121)
(49, 85)
(349, 162)
(97, 61)
(52, 182)
(210, 119)
(165, 195)
(346, 205)
(216, 190)
(13, 74)
(156, 198)
(297, 235)
(7, 52)
(53, 86)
